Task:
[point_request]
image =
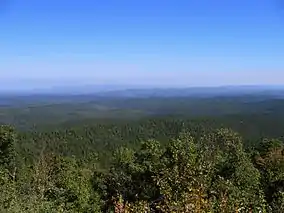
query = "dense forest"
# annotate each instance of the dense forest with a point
(143, 155)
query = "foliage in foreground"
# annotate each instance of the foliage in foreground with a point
(212, 173)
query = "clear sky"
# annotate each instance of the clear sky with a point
(149, 42)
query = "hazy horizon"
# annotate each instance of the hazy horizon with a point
(96, 88)
(47, 44)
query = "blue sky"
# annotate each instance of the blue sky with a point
(150, 42)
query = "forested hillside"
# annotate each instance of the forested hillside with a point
(143, 155)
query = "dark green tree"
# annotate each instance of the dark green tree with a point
(8, 138)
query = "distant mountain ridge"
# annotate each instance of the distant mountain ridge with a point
(129, 90)
(122, 92)
(195, 92)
